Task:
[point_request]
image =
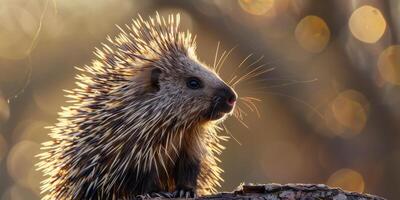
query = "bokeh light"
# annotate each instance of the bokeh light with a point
(20, 164)
(256, 7)
(307, 130)
(350, 109)
(367, 24)
(16, 192)
(88, 13)
(347, 179)
(312, 33)
(18, 25)
(389, 64)
(31, 130)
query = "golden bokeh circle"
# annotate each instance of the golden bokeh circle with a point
(347, 179)
(16, 192)
(312, 33)
(32, 130)
(389, 64)
(367, 24)
(17, 29)
(256, 7)
(20, 164)
(350, 109)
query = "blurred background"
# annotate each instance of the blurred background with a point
(330, 108)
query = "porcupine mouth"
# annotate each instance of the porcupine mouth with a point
(217, 115)
(218, 111)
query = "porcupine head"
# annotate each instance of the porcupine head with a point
(144, 118)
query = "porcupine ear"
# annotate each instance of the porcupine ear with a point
(155, 78)
(148, 79)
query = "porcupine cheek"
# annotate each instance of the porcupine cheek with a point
(223, 102)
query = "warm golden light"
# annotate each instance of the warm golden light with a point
(350, 108)
(17, 28)
(20, 160)
(256, 7)
(186, 21)
(16, 192)
(312, 33)
(347, 179)
(389, 64)
(31, 130)
(334, 130)
(48, 102)
(290, 158)
(367, 24)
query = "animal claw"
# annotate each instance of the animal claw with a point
(180, 193)
(143, 196)
(157, 195)
(184, 193)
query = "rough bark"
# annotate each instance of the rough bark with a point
(289, 192)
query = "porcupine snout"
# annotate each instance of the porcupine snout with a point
(224, 99)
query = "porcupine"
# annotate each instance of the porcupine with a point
(144, 120)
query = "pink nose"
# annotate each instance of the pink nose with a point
(231, 100)
(226, 97)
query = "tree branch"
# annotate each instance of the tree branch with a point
(289, 192)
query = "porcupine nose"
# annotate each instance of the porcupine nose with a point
(231, 98)
(227, 99)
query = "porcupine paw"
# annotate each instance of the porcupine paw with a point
(184, 193)
(152, 195)
(142, 196)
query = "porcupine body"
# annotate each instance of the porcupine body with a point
(143, 119)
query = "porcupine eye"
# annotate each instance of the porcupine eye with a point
(194, 83)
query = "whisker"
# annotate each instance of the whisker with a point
(236, 113)
(216, 55)
(255, 62)
(260, 72)
(254, 70)
(242, 122)
(219, 60)
(244, 60)
(249, 100)
(247, 105)
(253, 98)
(224, 59)
(253, 73)
(320, 115)
(232, 79)
(214, 107)
(233, 74)
(295, 82)
(256, 74)
(239, 116)
(274, 79)
(230, 134)
(247, 66)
